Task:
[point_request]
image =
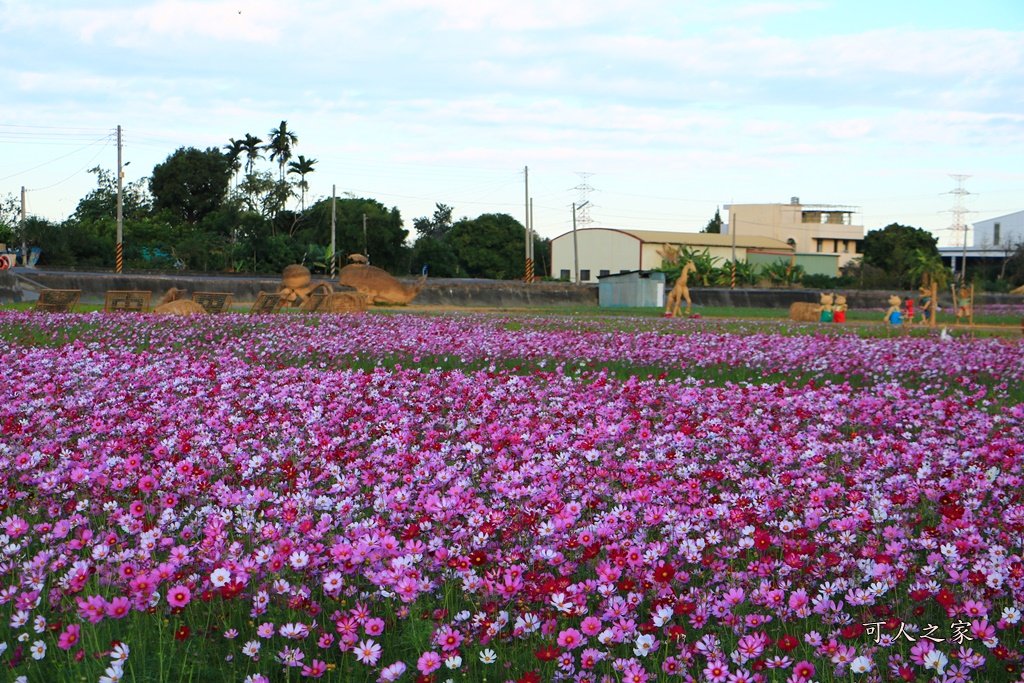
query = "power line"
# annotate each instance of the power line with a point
(47, 163)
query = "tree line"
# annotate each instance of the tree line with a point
(222, 209)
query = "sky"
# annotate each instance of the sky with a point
(666, 110)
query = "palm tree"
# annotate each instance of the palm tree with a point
(280, 145)
(234, 150)
(252, 147)
(301, 168)
(927, 268)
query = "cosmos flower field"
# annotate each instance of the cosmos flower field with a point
(482, 498)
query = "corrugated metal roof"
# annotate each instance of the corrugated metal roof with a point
(696, 239)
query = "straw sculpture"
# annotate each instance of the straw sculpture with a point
(296, 285)
(345, 302)
(378, 285)
(174, 304)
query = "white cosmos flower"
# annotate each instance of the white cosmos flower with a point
(488, 657)
(220, 577)
(860, 665)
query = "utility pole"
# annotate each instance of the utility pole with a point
(530, 263)
(575, 244)
(334, 221)
(526, 222)
(366, 244)
(119, 255)
(732, 234)
(24, 245)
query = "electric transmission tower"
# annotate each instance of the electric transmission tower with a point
(583, 205)
(959, 225)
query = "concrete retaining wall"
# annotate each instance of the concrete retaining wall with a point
(463, 293)
(22, 284)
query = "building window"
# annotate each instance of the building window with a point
(818, 245)
(584, 275)
(995, 233)
(604, 272)
(846, 246)
(565, 274)
(835, 246)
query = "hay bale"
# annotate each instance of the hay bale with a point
(180, 307)
(295, 276)
(805, 312)
(345, 302)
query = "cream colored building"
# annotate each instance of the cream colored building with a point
(808, 228)
(606, 251)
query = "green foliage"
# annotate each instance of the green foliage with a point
(263, 194)
(384, 237)
(714, 225)
(437, 255)
(280, 145)
(926, 267)
(747, 274)
(817, 281)
(191, 183)
(892, 250)
(489, 246)
(704, 263)
(436, 226)
(782, 273)
(302, 167)
(52, 240)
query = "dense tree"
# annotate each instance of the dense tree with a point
(490, 246)
(280, 145)
(9, 214)
(302, 167)
(52, 240)
(191, 183)
(261, 193)
(436, 226)
(437, 256)
(715, 224)
(384, 237)
(892, 249)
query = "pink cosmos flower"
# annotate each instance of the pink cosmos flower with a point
(428, 663)
(69, 638)
(570, 639)
(374, 627)
(118, 608)
(392, 672)
(591, 626)
(179, 596)
(315, 669)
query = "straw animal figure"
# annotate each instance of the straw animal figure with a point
(894, 316)
(963, 304)
(679, 293)
(358, 258)
(805, 312)
(841, 308)
(296, 285)
(827, 307)
(927, 305)
(378, 285)
(173, 304)
(345, 302)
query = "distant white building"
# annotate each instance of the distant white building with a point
(995, 238)
(608, 251)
